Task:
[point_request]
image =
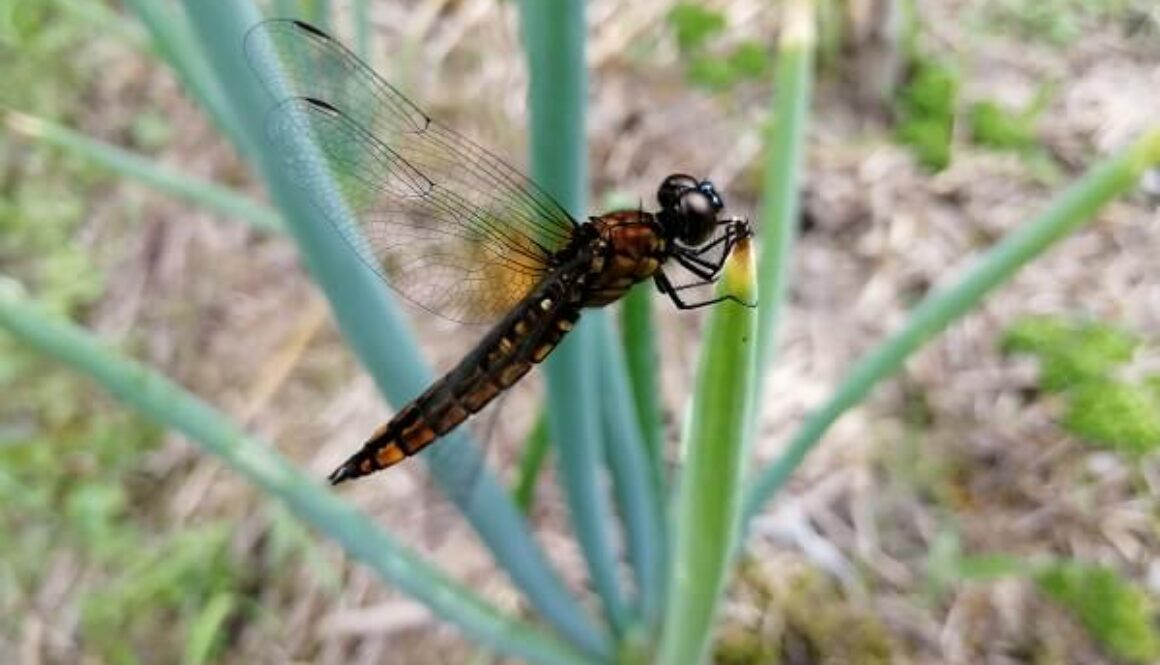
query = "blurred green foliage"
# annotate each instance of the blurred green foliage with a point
(1080, 361)
(1114, 611)
(1123, 416)
(816, 622)
(61, 459)
(1069, 352)
(947, 564)
(184, 581)
(998, 127)
(44, 193)
(77, 504)
(694, 24)
(926, 112)
(1063, 22)
(713, 66)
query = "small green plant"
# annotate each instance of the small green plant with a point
(995, 126)
(1116, 613)
(715, 69)
(1079, 360)
(926, 112)
(1070, 352)
(188, 580)
(1061, 22)
(1122, 416)
(694, 25)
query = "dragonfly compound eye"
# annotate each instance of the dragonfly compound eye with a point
(710, 191)
(669, 194)
(699, 214)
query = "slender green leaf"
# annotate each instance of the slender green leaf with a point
(158, 398)
(553, 34)
(640, 353)
(781, 198)
(207, 631)
(637, 496)
(377, 332)
(174, 42)
(535, 452)
(1070, 210)
(206, 194)
(709, 490)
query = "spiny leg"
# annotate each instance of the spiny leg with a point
(705, 272)
(666, 287)
(730, 238)
(692, 257)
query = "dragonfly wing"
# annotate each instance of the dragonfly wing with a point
(450, 226)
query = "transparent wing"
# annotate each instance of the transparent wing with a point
(447, 224)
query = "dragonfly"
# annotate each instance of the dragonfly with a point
(456, 230)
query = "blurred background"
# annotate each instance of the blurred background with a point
(1024, 434)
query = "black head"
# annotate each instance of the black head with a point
(689, 208)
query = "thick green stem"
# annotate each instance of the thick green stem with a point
(640, 353)
(640, 504)
(781, 200)
(709, 490)
(536, 450)
(207, 194)
(553, 34)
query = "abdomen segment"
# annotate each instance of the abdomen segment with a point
(523, 338)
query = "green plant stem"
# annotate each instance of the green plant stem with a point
(781, 201)
(173, 41)
(640, 353)
(535, 452)
(638, 498)
(205, 194)
(377, 332)
(158, 398)
(1075, 206)
(709, 489)
(553, 34)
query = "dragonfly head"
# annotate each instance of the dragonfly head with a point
(689, 208)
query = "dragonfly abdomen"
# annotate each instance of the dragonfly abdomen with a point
(525, 337)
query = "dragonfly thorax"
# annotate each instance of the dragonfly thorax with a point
(689, 209)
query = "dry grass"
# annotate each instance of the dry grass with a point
(866, 508)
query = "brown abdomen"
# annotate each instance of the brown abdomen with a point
(506, 353)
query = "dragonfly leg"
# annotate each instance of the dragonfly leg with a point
(709, 268)
(700, 269)
(729, 238)
(666, 287)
